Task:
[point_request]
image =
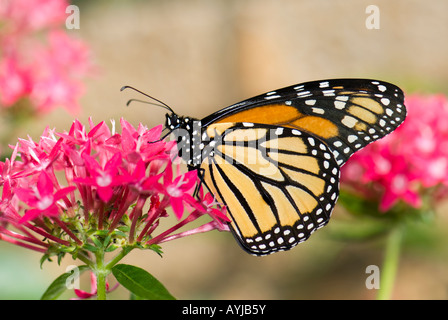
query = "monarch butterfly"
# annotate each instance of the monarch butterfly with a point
(274, 160)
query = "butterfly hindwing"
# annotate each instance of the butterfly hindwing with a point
(279, 184)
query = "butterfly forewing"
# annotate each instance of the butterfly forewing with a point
(347, 114)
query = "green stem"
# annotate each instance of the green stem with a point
(390, 263)
(118, 257)
(101, 273)
(85, 258)
(103, 269)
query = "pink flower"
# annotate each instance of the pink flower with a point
(408, 161)
(211, 206)
(8, 204)
(23, 16)
(179, 190)
(38, 60)
(54, 91)
(104, 179)
(15, 81)
(70, 188)
(143, 144)
(41, 198)
(57, 70)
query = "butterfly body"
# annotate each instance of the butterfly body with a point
(274, 159)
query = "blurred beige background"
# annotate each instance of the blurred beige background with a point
(201, 55)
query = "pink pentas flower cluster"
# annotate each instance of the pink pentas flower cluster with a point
(68, 187)
(410, 161)
(39, 61)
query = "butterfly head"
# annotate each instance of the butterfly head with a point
(174, 121)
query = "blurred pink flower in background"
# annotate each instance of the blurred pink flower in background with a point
(39, 61)
(408, 162)
(26, 16)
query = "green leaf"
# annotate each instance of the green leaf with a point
(140, 282)
(96, 241)
(102, 233)
(111, 248)
(133, 296)
(59, 285)
(122, 234)
(45, 257)
(106, 241)
(89, 247)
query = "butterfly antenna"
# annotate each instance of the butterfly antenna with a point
(143, 101)
(160, 103)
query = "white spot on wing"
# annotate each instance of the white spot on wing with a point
(272, 97)
(303, 93)
(311, 141)
(337, 144)
(339, 104)
(342, 98)
(318, 110)
(385, 101)
(349, 121)
(310, 102)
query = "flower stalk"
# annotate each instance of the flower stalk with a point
(390, 263)
(101, 273)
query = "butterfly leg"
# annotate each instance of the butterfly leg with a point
(201, 172)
